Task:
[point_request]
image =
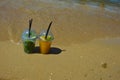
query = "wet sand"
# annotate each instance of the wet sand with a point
(86, 45)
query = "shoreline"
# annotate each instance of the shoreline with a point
(86, 21)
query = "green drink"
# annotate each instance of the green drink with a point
(28, 46)
(29, 42)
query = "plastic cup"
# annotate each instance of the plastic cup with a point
(29, 42)
(45, 44)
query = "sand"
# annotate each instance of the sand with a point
(86, 44)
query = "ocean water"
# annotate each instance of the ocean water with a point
(93, 2)
(108, 4)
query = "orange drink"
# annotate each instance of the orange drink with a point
(44, 46)
(45, 43)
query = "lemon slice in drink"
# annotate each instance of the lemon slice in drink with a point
(49, 38)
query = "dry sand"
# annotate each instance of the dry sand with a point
(86, 45)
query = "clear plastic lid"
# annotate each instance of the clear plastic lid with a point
(25, 35)
(42, 35)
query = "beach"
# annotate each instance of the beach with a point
(86, 44)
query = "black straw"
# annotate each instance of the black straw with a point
(48, 30)
(30, 24)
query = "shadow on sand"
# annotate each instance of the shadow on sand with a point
(53, 50)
